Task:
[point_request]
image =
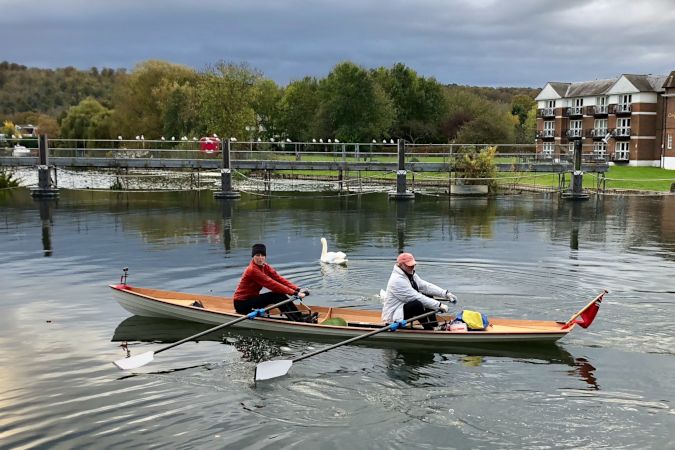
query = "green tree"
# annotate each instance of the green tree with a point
(266, 104)
(142, 99)
(419, 103)
(521, 105)
(352, 106)
(226, 94)
(298, 109)
(462, 106)
(530, 126)
(88, 120)
(490, 127)
(180, 112)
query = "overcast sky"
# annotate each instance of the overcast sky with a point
(475, 42)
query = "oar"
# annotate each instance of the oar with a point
(280, 367)
(134, 362)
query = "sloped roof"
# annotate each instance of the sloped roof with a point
(647, 83)
(589, 88)
(670, 81)
(559, 87)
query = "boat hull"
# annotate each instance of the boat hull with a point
(175, 305)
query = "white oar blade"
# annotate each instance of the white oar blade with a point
(272, 369)
(134, 362)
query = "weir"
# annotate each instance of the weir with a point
(401, 158)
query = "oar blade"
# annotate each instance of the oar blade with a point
(134, 362)
(272, 369)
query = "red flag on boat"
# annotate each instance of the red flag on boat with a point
(585, 319)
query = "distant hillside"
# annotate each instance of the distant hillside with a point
(52, 91)
(160, 98)
(498, 94)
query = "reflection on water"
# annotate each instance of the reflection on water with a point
(405, 361)
(46, 207)
(585, 371)
(522, 256)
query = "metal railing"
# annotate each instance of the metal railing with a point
(575, 111)
(546, 112)
(622, 132)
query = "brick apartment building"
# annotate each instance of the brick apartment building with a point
(626, 120)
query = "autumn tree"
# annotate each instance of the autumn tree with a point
(143, 99)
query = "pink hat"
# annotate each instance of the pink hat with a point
(406, 258)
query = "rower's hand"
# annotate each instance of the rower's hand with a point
(443, 307)
(452, 298)
(302, 293)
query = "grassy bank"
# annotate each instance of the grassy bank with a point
(618, 177)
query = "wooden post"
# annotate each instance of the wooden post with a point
(46, 186)
(226, 175)
(401, 191)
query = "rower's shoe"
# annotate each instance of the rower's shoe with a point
(312, 318)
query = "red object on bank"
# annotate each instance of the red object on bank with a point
(210, 145)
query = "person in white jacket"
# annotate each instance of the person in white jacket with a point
(408, 295)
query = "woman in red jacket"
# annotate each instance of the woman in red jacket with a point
(258, 275)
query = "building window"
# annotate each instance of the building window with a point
(621, 151)
(570, 147)
(550, 103)
(548, 149)
(575, 129)
(601, 101)
(600, 127)
(599, 149)
(670, 142)
(578, 102)
(549, 128)
(623, 127)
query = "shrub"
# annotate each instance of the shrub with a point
(477, 167)
(7, 180)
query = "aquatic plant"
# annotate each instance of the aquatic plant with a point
(7, 180)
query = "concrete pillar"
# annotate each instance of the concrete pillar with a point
(226, 174)
(576, 191)
(46, 185)
(401, 173)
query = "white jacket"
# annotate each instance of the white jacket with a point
(400, 292)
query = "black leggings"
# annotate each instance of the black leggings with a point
(415, 308)
(266, 299)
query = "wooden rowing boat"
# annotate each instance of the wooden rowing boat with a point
(217, 310)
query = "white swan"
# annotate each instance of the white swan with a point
(331, 257)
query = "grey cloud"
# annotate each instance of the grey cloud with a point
(480, 42)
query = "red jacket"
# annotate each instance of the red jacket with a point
(255, 278)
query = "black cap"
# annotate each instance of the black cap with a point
(258, 249)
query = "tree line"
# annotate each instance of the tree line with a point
(353, 104)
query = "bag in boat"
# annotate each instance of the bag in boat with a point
(473, 319)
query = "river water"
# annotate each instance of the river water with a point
(521, 256)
